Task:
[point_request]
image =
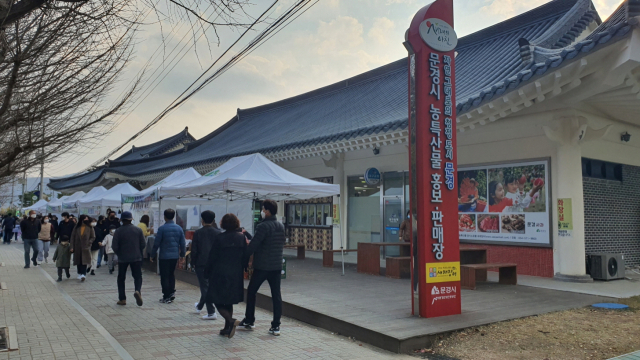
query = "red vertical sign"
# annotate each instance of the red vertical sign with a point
(433, 158)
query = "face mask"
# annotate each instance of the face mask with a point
(262, 214)
(408, 216)
(94, 224)
(112, 217)
(112, 232)
(33, 216)
(46, 221)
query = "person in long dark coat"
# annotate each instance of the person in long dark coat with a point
(225, 271)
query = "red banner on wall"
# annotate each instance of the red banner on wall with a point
(433, 159)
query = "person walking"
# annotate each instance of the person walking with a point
(170, 241)
(102, 229)
(200, 248)
(225, 271)
(65, 227)
(95, 247)
(53, 220)
(62, 257)
(7, 225)
(112, 220)
(267, 247)
(16, 229)
(128, 244)
(107, 244)
(81, 239)
(44, 236)
(30, 228)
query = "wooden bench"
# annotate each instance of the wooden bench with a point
(507, 271)
(327, 256)
(399, 267)
(369, 255)
(301, 250)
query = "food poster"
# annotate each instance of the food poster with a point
(504, 203)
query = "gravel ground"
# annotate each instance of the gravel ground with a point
(585, 333)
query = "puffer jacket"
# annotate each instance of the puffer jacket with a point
(201, 245)
(170, 241)
(267, 245)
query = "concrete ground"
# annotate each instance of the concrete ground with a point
(73, 320)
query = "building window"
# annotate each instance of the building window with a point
(308, 215)
(601, 169)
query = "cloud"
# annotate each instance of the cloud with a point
(381, 30)
(504, 9)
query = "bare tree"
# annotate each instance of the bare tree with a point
(60, 62)
(57, 68)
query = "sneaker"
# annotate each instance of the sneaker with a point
(110, 271)
(138, 297)
(98, 267)
(59, 279)
(232, 331)
(275, 331)
(165, 301)
(68, 275)
(196, 307)
(27, 266)
(46, 261)
(79, 277)
(83, 278)
(92, 273)
(173, 296)
(247, 325)
(122, 302)
(210, 317)
(34, 262)
(224, 332)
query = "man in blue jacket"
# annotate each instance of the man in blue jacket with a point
(170, 242)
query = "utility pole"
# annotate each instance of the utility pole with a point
(13, 185)
(24, 186)
(42, 168)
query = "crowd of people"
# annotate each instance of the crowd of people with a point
(220, 256)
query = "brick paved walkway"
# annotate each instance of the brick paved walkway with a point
(73, 320)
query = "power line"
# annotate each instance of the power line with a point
(280, 23)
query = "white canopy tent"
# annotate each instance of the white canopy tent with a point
(72, 205)
(40, 206)
(109, 199)
(243, 179)
(145, 202)
(251, 177)
(55, 207)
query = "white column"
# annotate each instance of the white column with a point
(340, 232)
(569, 251)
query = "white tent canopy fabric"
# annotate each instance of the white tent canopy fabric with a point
(56, 205)
(111, 197)
(92, 194)
(176, 178)
(40, 206)
(251, 176)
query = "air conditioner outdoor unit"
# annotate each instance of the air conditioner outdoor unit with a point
(606, 266)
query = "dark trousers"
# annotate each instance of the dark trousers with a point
(204, 287)
(227, 313)
(136, 272)
(6, 236)
(258, 277)
(167, 276)
(82, 269)
(28, 245)
(60, 272)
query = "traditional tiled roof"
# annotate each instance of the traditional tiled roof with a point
(490, 62)
(156, 148)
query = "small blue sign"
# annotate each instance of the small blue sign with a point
(372, 176)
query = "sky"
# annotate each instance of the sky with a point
(334, 40)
